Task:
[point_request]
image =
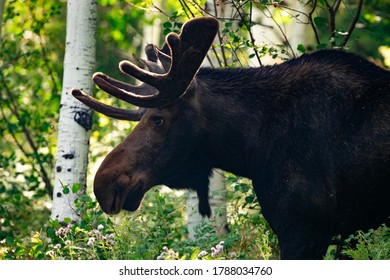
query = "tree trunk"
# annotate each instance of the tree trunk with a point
(75, 121)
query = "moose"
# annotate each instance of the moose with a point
(312, 133)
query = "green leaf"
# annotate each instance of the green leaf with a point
(76, 187)
(250, 199)
(65, 190)
(9, 240)
(194, 254)
(228, 24)
(301, 48)
(167, 24)
(320, 21)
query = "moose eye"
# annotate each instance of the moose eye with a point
(157, 120)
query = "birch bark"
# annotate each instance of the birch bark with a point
(75, 121)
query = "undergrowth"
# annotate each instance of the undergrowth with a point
(158, 231)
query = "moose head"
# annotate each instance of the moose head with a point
(163, 147)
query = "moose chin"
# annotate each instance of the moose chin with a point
(312, 133)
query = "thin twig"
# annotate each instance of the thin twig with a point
(332, 23)
(219, 36)
(353, 23)
(249, 27)
(310, 15)
(336, 5)
(282, 32)
(186, 9)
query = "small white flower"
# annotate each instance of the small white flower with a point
(172, 254)
(50, 253)
(60, 232)
(100, 227)
(68, 242)
(90, 242)
(202, 254)
(111, 236)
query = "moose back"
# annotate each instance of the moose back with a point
(312, 133)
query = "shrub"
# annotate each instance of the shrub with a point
(371, 245)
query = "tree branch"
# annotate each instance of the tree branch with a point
(332, 23)
(353, 23)
(310, 16)
(249, 27)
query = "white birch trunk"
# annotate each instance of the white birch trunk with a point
(217, 184)
(75, 121)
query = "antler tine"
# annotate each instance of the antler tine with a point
(187, 52)
(151, 53)
(152, 60)
(113, 112)
(120, 90)
(164, 55)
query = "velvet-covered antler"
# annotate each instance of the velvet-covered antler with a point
(182, 55)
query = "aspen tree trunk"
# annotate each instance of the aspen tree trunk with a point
(217, 183)
(75, 121)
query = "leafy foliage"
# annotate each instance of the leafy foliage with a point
(371, 245)
(29, 78)
(149, 233)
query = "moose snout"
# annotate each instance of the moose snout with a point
(118, 193)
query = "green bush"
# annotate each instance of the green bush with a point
(371, 245)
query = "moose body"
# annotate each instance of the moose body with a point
(312, 133)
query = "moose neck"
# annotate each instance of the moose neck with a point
(234, 104)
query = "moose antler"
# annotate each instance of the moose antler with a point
(186, 53)
(117, 113)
